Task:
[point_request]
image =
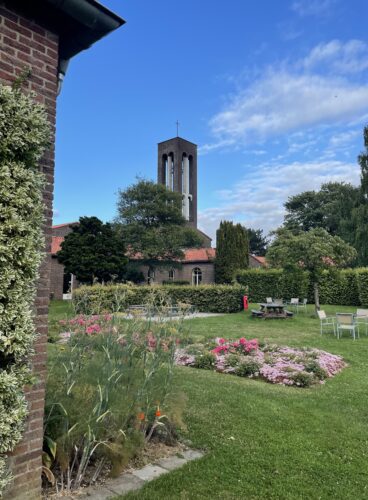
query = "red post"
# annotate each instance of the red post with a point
(245, 302)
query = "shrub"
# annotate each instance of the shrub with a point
(303, 379)
(232, 360)
(24, 133)
(112, 298)
(314, 367)
(247, 368)
(205, 361)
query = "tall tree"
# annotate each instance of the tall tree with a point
(258, 243)
(360, 214)
(232, 252)
(313, 251)
(329, 208)
(93, 251)
(150, 221)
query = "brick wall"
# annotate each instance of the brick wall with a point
(184, 273)
(56, 279)
(25, 44)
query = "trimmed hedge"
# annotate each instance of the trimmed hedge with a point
(363, 286)
(99, 299)
(345, 287)
(273, 283)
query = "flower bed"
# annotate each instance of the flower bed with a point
(109, 392)
(276, 364)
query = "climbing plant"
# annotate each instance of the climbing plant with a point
(24, 135)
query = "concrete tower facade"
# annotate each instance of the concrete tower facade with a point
(177, 169)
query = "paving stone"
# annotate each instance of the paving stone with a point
(172, 463)
(149, 472)
(99, 494)
(192, 454)
(124, 483)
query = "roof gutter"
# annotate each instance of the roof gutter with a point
(94, 17)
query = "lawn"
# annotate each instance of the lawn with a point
(265, 441)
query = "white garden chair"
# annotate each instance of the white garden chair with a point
(327, 323)
(346, 322)
(269, 300)
(362, 318)
(294, 303)
(303, 305)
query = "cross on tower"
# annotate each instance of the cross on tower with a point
(177, 128)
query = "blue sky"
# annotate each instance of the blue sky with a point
(274, 92)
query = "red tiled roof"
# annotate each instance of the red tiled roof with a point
(56, 244)
(64, 225)
(261, 260)
(199, 254)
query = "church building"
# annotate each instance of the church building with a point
(177, 169)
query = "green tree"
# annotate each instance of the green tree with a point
(93, 251)
(330, 208)
(360, 215)
(257, 242)
(232, 252)
(313, 251)
(150, 221)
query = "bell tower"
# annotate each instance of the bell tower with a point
(177, 169)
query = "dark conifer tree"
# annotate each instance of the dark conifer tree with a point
(232, 251)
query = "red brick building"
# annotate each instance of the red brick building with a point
(41, 36)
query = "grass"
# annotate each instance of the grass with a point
(272, 442)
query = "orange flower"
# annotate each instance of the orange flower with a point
(140, 416)
(158, 413)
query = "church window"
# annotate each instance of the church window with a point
(196, 276)
(151, 275)
(172, 274)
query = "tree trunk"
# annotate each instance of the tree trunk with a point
(316, 297)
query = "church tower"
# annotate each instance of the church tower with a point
(177, 169)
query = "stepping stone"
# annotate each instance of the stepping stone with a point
(99, 494)
(192, 454)
(149, 472)
(125, 483)
(172, 463)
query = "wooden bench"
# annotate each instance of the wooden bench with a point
(257, 314)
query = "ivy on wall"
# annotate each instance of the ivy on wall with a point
(24, 135)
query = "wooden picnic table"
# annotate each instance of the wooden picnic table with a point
(275, 310)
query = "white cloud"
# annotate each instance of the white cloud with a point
(314, 91)
(257, 201)
(283, 102)
(312, 7)
(349, 57)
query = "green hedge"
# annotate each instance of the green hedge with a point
(363, 286)
(273, 283)
(205, 298)
(345, 287)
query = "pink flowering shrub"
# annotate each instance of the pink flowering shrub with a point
(278, 365)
